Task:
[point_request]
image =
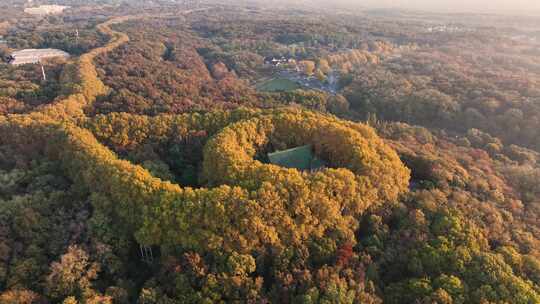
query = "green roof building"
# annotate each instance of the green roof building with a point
(301, 158)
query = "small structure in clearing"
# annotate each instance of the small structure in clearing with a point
(35, 55)
(45, 10)
(301, 158)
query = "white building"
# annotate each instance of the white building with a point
(35, 55)
(45, 10)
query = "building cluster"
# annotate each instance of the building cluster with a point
(446, 29)
(279, 61)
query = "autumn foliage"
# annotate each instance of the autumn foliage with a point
(262, 204)
(187, 208)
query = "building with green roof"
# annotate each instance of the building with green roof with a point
(301, 158)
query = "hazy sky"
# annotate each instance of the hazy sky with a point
(457, 5)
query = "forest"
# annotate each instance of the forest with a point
(138, 169)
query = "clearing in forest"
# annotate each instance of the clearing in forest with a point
(278, 85)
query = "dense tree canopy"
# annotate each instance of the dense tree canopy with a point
(139, 171)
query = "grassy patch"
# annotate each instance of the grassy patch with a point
(278, 85)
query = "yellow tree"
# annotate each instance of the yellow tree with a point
(307, 67)
(324, 66)
(320, 75)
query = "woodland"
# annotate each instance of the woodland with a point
(137, 172)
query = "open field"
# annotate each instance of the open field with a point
(278, 84)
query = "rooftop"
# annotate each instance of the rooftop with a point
(35, 55)
(300, 158)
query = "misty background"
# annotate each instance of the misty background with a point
(456, 6)
(459, 5)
